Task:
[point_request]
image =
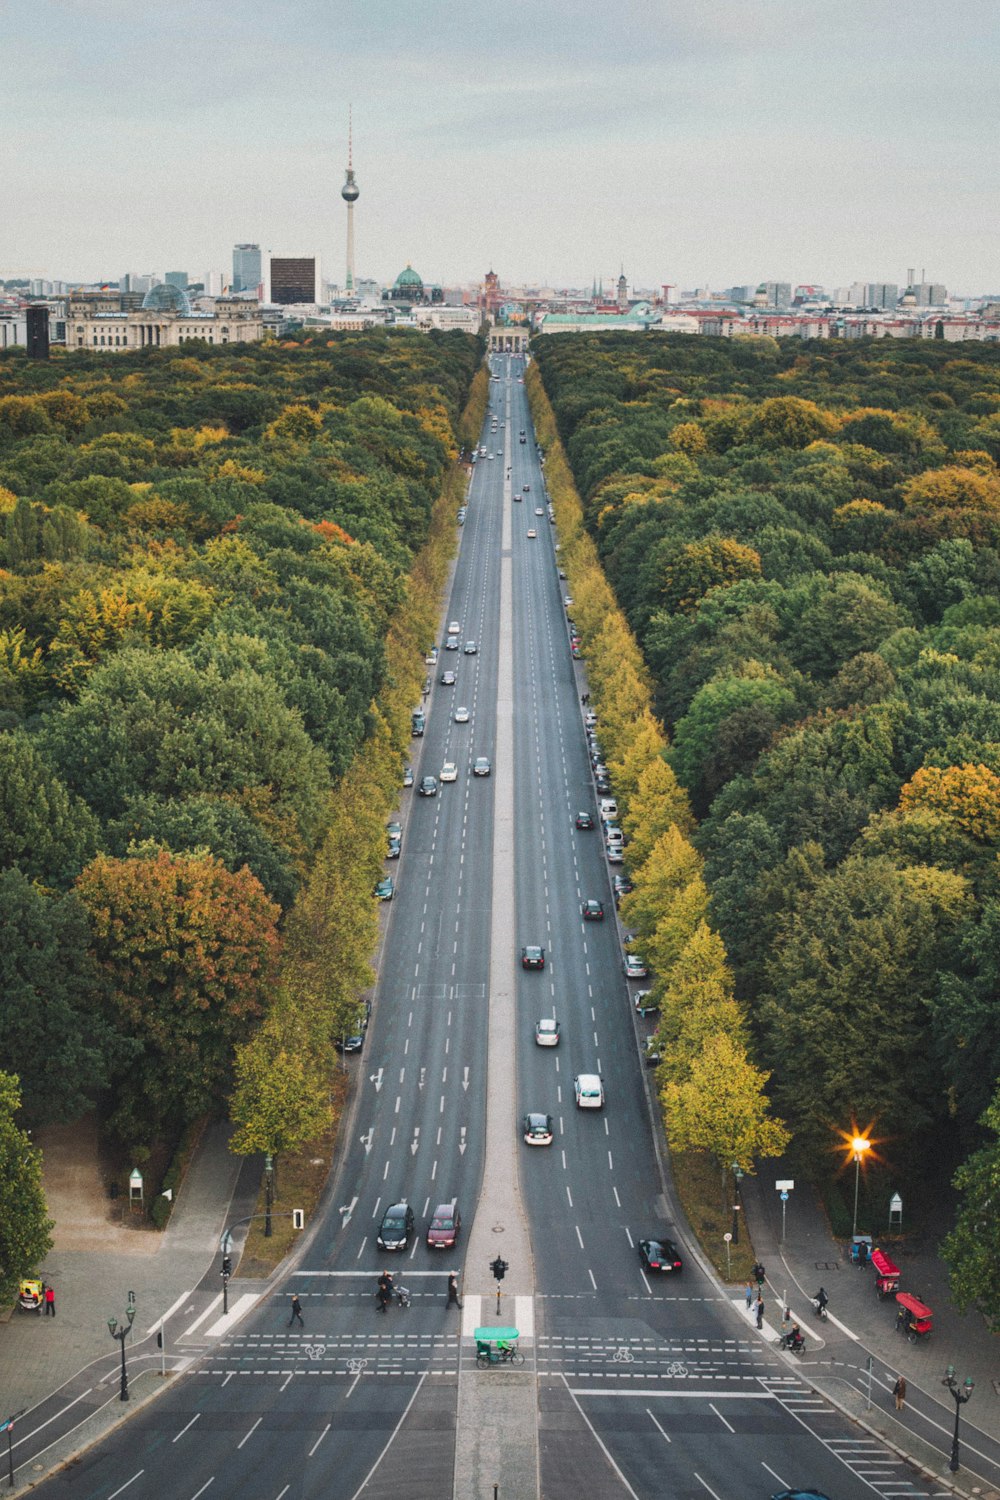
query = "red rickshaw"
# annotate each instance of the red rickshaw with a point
(886, 1274)
(914, 1317)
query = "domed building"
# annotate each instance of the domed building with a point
(409, 288)
(167, 298)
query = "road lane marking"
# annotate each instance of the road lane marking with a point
(706, 1486)
(205, 1487)
(184, 1429)
(665, 1436)
(721, 1418)
(249, 1434)
(127, 1483)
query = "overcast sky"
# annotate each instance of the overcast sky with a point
(700, 143)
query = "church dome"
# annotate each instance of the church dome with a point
(409, 278)
(167, 298)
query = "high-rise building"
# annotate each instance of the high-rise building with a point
(349, 192)
(178, 279)
(213, 283)
(292, 278)
(246, 268)
(774, 294)
(622, 292)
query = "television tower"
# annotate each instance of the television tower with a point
(349, 192)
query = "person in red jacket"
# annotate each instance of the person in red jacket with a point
(50, 1301)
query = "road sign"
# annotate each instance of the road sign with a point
(784, 1197)
(784, 1184)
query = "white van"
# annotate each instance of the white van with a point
(589, 1091)
(609, 809)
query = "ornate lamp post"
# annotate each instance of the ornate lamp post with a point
(961, 1393)
(860, 1145)
(268, 1193)
(737, 1179)
(121, 1334)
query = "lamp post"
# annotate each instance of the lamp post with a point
(121, 1334)
(737, 1178)
(859, 1145)
(268, 1193)
(961, 1393)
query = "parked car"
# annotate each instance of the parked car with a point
(385, 889)
(634, 966)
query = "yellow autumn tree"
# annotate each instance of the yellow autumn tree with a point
(722, 1108)
(969, 795)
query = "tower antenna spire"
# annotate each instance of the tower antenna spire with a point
(349, 192)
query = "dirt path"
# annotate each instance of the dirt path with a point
(85, 1218)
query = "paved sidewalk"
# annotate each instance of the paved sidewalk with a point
(96, 1262)
(861, 1325)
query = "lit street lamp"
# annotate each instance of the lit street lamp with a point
(961, 1394)
(121, 1334)
(859, 1145)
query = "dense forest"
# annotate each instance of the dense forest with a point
(202, 554)
(805, 540)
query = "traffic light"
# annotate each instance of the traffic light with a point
(498, 1267)
(227, 1265)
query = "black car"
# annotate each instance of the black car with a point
(584, 820)
(592, 911)
(448, 679)
(660, 1255)
(395, 845)
(428, 786)
(396, 1227)
(532, 957)
(602, 784)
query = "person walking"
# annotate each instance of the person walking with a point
(384, 1291)
(50, 1301)
(453, 1290)
(760, 1311)
(899, 1391)
(749, 1290)
(296, 1311)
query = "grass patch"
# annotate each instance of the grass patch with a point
(300, 1178)
(699, 1187)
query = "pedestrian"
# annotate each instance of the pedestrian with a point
(749, 1290)
(760, 1311)
(50, 1301)
(899, 1391)
(453, 1290)
(384, 1290)
(296, 1311)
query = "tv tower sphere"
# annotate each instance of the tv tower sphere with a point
(349, 192)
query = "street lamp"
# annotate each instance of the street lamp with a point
(737, 1178)
(859, 1145)
(961, 1394)
(121, 1334)
(268, 1193)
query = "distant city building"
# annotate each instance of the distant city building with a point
(246, 268)
(774, 294)
(131, 281)
(99, 323)
(293, 279)
(14, 328)
(622, 292)
(409, 288)
(490, 294)
(178, 279)
(926, 294)
(37, 318)
(214, 283)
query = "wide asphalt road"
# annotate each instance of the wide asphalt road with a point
(644, 1388)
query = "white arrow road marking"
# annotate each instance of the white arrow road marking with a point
(416, 1140)
(465, 1078)
(366, 1140)
(462, 1142)
(376, 1079)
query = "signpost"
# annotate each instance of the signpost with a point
(728, 1239)
(784, 1186)
(895, 1212)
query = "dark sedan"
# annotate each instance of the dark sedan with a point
(660, 1255)
(428, 786)
(532, 957)
(592, 911)
(584, 820)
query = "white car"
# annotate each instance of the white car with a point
(539, 511)
(616, 854)
(461, 715)
(532, 533)
(547, 1032)
(454, 628)
(589, 1091)
(609, 809)
(449, 771)
(614, 835)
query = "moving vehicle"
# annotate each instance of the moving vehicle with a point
(532, 533)
(451, 644)
(442, 1231)
(428, 786)
(538, 1130)
(461, 714)
(396, 1227)
(481, 766)
(532, 957)
(448, 679)
(588, 1090)
(497, 1346)
(449, 771)
(660, 1255)
(592, 911)
(470, 648)
(584, 820)
(547, 1031)
(454, 628)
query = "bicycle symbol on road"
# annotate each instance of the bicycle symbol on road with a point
(623, 1356)
(355, 1366)
(314, 1351)
(679, 1371)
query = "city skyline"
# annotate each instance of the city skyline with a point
(704, 149)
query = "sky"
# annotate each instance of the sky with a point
(707, 143)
